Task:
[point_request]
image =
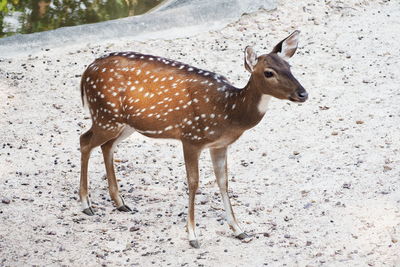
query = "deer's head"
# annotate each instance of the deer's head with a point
(271, 72)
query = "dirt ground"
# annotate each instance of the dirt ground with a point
(315, 184)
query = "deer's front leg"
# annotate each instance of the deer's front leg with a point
(191, 155)
(219, 160)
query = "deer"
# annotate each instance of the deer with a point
(129, 92)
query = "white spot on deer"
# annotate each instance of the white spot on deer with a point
(168, 128)
(263, 104)
(212, 115)
(156, 79)
(133, 88)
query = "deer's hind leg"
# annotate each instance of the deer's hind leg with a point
(191, 155)
(89, 140)
(108, 154)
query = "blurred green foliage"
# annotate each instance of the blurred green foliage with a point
(43, 15)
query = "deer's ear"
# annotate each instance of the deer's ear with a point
(287, 47)
(250, 59)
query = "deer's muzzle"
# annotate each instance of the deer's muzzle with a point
(300, 95)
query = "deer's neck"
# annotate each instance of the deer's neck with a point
(251, 106)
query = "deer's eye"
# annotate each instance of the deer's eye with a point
(268, 74)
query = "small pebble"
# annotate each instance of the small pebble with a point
(346, 186)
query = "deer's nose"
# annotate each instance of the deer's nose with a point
(302, 94)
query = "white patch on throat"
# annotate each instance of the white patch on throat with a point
(263, 104)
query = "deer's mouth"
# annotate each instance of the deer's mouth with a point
(300, 100)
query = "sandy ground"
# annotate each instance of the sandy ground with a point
(316, 184)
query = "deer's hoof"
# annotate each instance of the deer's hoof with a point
(124, 208)
(194, 243)
(242, 236)
(88, 211)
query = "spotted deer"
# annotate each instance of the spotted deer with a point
(162, 98)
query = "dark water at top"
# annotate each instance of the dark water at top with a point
(19, 16)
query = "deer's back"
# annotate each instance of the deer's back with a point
(156, 96)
